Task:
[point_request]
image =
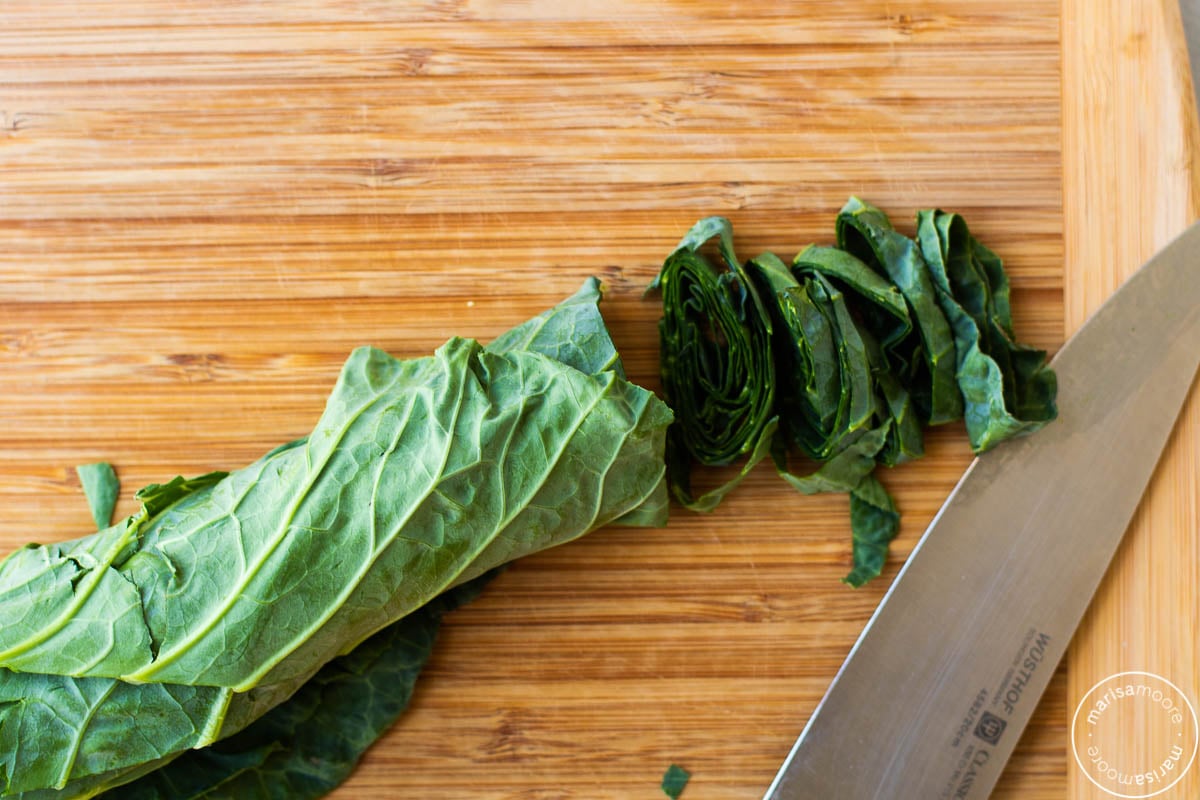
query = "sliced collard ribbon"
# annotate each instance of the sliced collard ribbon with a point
(830, 406)
(1007, 388)
(882, 318)
(924, 362)
(874, 522)
(716, 364)
(826, 392)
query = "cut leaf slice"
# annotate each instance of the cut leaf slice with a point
(1008, 389)
(100, 487)
(715, 361)
(925, 363)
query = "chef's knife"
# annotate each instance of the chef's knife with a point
(934, 695)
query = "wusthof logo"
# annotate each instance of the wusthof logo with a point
(990, 727)
(1135, 734)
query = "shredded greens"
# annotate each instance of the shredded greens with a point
(842, 357)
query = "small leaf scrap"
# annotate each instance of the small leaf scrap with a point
(100, 487)
(674, 780)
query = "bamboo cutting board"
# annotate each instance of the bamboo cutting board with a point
(202, 210)
(1127, 94)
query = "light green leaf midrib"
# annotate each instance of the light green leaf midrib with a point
(353, 583)
(77, 741)
(79, 597)
(198, 632)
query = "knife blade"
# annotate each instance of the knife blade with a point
(932, 698)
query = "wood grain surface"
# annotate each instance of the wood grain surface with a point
(204, 208)
(1127, 93)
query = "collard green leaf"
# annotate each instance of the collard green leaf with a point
(1007, 388)
(94, 785)
(841, 472)
(44, 719)
(826, 395)
(158, 497)
(420, 476)
(574, 333)
(310, 742)
(100, 487)
(924, 363)
(715, 361)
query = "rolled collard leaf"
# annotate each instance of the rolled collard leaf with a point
(1007, 388)
(225, 594)
(304, 747)
(717, 369)
(924, 362)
